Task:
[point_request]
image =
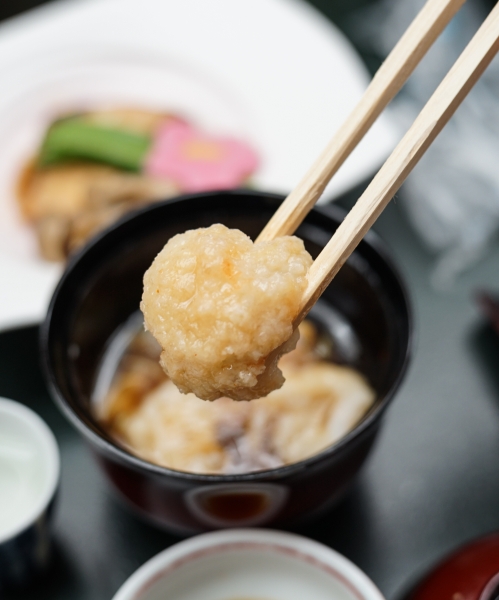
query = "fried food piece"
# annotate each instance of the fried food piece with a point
(71, 202)
(89, 222)
(69, 189)
(53, 235)
(61, 190)
(222, 309)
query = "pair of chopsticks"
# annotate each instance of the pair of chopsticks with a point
(391, 76)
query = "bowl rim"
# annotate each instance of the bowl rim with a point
(121, 455)
(36, 428)
(295, 546)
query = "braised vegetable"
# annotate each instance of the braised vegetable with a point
(76, 138)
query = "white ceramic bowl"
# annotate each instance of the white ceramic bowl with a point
(249, 564)
(29, 475)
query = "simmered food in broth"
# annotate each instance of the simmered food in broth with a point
(318, 404)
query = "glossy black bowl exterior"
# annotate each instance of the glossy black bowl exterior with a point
(102, 287)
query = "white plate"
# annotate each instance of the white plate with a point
(254, 564)
(274, 72)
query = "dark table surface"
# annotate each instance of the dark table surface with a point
(431, 483)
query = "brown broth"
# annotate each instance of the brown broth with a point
(142, 409)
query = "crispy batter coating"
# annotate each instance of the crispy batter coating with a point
(69, 203)
(222, 309)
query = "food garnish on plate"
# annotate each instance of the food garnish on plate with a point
(94, 167)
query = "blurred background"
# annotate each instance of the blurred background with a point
(461, 226)
(433, 480)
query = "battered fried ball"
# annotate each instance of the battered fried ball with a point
(222, 309)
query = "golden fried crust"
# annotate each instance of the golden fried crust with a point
(62, 190)
(69, 203)
(221, 307)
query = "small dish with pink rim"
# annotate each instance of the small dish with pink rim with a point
(249, 564)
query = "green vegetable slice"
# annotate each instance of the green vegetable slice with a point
(75, 138)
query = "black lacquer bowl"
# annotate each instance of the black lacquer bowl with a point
(369, 319)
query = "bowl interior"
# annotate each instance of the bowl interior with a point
(253, 573)
(365, 307)
(244, 565)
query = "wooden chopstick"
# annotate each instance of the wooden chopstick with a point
(435, 114)
(390, 77)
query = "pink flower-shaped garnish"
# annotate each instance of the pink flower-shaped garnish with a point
(198, 162)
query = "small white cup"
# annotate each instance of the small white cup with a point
(251, 564)
(29, 475)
